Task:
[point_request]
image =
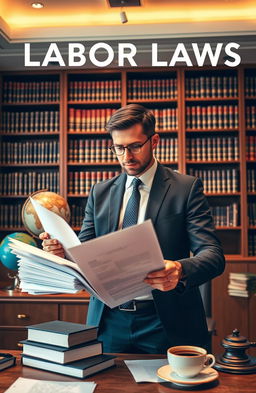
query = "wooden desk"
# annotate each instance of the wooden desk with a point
(119, 379)
(17, 310)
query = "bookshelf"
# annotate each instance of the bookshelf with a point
(52, 136)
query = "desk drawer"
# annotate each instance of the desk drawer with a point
(22, 314)
(9, 338)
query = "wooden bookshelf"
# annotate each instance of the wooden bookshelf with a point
(189, 105)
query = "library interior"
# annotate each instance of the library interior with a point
(70, 72)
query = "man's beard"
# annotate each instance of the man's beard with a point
(138, 170)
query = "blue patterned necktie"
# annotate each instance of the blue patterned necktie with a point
(132, 208)
(131, 216)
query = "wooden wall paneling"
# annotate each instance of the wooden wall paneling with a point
(229, 312)
(242, 158)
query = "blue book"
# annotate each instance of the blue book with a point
(61, 355)
(7, 360)
(61, 333)
(80, 369)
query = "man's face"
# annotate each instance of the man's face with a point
(135, 164)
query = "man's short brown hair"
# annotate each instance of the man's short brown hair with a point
(130, 115)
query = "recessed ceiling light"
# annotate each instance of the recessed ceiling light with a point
(37, 5)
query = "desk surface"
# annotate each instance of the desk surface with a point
(119, 379)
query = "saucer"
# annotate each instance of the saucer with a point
(205, 376)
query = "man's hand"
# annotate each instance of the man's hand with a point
(52, 245)
(167, 278)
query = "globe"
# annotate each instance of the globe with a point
(51, 201)
(8, 259)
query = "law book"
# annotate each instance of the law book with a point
(59, 354)
(6, 360)
(79, 369)
(62, 333)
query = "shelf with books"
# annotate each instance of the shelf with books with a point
(198, 162)
(152, 86)
(93, 163)
(94, 87)
(42, 164)
(217, 99)
(212, 130)
(216, 84)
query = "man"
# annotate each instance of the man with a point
(175, 203)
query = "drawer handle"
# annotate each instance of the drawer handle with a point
(19, 345)
(22, 316)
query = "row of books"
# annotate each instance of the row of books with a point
(252, 244)
(218, 181)
(23, 183)
(92, 120)
(65, 348)
(251, 180)
(36, 152)
(225, 216)
(32, 121)
(167, 150)
(250, 116)
(166, 118)
(152, 89)
(213, 149)
(10, 215)
(90, 150)
(242, 284)
(251, 147)
(211, 86)
(252, 213)
(80, 182)
(31, 91)
(250, 86)
(212, 116)
(77, 215)
(104, 90)
(96, 150)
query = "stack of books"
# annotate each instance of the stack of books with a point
(242, 284)
(65, 348)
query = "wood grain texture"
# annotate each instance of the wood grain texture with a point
(118, 379)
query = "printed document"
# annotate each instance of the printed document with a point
(27, 385)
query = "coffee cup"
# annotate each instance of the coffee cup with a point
(188, 361)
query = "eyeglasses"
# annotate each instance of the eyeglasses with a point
(133, 148)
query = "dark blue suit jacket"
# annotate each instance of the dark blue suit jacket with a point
(183, 223)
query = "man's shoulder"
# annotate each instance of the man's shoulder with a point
(105, 184)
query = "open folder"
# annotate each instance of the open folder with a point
(111, 267)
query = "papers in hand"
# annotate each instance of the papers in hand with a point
(26, 385)
(111, 267)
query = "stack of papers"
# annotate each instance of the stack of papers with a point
(110, 267)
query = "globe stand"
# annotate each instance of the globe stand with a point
(15, 285)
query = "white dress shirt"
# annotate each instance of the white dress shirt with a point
(144, 189)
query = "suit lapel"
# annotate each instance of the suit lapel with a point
(160, 186)
(115, 201)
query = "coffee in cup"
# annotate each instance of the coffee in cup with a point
(188, 361)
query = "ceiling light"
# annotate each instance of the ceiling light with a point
(123, 17)
(37, 5)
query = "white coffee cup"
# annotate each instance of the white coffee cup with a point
(188, 361)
